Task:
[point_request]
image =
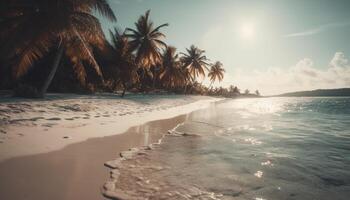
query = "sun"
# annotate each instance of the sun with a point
(247, 30)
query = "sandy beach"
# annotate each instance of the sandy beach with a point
(59, 154)
(76, 171)
(30, 127)
(174, 100)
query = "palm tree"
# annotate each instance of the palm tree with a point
(34, 28)
(146, 41)
(257, 92)
(216, 72)
(123, 60)
(187, 76)
(173, 74)
(236, 91)
(195, 61)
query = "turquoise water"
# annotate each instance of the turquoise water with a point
(267, 148)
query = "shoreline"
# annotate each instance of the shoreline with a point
(129, 159)
(54, 130)
(77, 171)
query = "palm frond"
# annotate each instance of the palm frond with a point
(133, 32)
(80, 72)
(28, 56)
(87, 51)
(161, 43)
(101, 6)
(159, 27)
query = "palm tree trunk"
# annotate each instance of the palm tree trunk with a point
(211, 83)
(124, 89)
(154, 81)
(155, 76)
(185, 90)
(52, 73)
(142, 79)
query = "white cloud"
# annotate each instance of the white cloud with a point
(302, 76)
(319, 29)
(339, 60)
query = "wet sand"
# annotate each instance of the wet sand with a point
(164, 172)
(75, 172)
(30, 127)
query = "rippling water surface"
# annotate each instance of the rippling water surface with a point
(263, 149)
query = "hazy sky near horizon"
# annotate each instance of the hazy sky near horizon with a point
(272, 45)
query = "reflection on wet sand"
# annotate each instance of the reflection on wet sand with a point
(76, 171)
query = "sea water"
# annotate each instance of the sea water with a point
(258, 149)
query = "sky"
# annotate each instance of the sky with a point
(274, 46)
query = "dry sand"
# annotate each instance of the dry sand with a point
(56, 148)
(29, 127)
(75, 172)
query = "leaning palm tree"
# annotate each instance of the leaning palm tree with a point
(216, 72)
(173, 74)
(34, 28)
(195, 61)
(146, 41)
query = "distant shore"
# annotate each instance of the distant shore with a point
(338, 92)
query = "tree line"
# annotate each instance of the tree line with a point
(59, 45)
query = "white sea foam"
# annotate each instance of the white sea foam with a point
(283, 158)
(36, 126)
(252, 141)
(258, 174)
(132, 176)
